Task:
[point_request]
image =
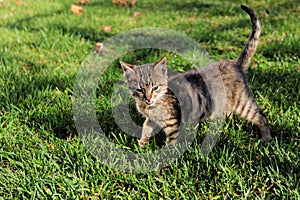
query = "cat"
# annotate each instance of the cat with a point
(149, 85)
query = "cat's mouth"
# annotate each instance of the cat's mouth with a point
(149, 102)
(152, 101)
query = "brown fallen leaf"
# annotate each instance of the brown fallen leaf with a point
(98, 47)
(18, 2)
(76, 9)
(83, 2)
(116, 2)
(121, 2)
(137, 14)
(107, 29)
(124, 2)
(133, 2)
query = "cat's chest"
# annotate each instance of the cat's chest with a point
(158, 112)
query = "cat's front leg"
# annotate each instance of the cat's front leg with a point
(171, 130)
(146, 133)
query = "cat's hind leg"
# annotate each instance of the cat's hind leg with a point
(248, 109)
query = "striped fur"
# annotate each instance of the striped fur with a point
(246, 55)
(201, 98)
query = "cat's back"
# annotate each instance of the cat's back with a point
(219, 82)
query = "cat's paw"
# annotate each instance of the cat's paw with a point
(266, 139)
(143, 142)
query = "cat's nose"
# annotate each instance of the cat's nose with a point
(148, 97)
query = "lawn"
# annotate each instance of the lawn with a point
(43, 47)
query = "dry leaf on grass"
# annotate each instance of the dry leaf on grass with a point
(120, 2)
(137, 14)
(107, 29)
(124, 2)
(18, 2)
(83, 2)
(98, 47)
(133, 2)
(76, 9)
(116, 2)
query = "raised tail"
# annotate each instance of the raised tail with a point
(250, 48)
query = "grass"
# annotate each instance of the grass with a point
(42, 48)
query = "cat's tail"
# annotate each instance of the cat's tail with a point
(250, 48)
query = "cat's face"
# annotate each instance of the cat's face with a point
(147, 83)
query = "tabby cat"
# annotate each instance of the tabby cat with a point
(150, 87)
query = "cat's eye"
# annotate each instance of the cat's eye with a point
(155, 88)
(140, 90)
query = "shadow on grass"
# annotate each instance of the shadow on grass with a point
(288, 48)
(212, 9)
(281, 89)
(229, 8)
(26, 24)
(85, 33)
(40, 97)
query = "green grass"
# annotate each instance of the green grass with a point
(42, 47)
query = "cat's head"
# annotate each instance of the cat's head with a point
(148, 82)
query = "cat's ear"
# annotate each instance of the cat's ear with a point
(161, 64)
(127, 67)
(162, 61)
